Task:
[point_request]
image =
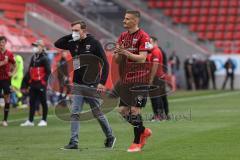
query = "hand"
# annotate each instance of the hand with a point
(151, 81)
(123, 52)
(119, 50)
(10, 74)
(24, 90)
(5, 61)
(101, 88)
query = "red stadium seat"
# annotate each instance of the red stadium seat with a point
(169, 4)
(193, 27)
(203, 19)
(12, 7)
(14, 15)
(213, 11)
(222, 19)
(210, 35)
(186, 11)
(188, 3)
(202, 27)
(206, 4)
(211, 27)
(234, 3)
(220, 27)
(177, 12)
(168, 12)
(230, 27)
(225, 3)
(193, 19)
(215, 3)
(215, 20)
(236, 36)
(178, 4)
(195, 11)
(160, 4)
(219, 35)
(204, 11)
(184, 19)
(201, 35)
(196, 3)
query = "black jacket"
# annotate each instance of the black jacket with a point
(38, 72)
(165, 65)
(91, 56)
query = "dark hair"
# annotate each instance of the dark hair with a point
(3, 38)
(135, 13)
(154, 38)
(82, 24)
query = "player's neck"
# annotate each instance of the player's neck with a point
(133, 30)
(3, 50)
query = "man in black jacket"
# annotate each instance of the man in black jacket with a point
(229, 67)
(37, 78)
(88, 55)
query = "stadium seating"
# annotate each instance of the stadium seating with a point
(215, 20)
(12, 25)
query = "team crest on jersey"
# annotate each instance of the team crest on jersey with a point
(148, 45)
(134, 41)
(88, 47)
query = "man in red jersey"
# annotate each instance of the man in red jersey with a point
(7, 67)
(157, 78)
(130, 53)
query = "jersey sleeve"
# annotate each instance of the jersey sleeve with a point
(119, 41)
(11, 58)
(145, 43)
(157, 56)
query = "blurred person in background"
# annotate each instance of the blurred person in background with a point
(229, 67)
(16, 81)
(7, 69)
(211, 69)
(188, 65)
(174, 62)
(63, 76)
(158, 72)
(37, 78)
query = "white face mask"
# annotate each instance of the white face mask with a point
(151, 46)
(35, 50)
(76, 36)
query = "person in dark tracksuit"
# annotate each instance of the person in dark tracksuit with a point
(211, 69)
(37, 78)
(229, 67)
(87, 53)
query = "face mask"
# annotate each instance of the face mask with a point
(150, 46)
(75, 36)
(35, 50)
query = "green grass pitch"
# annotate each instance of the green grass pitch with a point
(205, 126)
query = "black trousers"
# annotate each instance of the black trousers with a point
(231, 77)
(38, 95)
(160, 103)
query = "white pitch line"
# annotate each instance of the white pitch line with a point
(204, 97)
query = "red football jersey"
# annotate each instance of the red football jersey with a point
(136, 42)
(157, 56)
(5, 69)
